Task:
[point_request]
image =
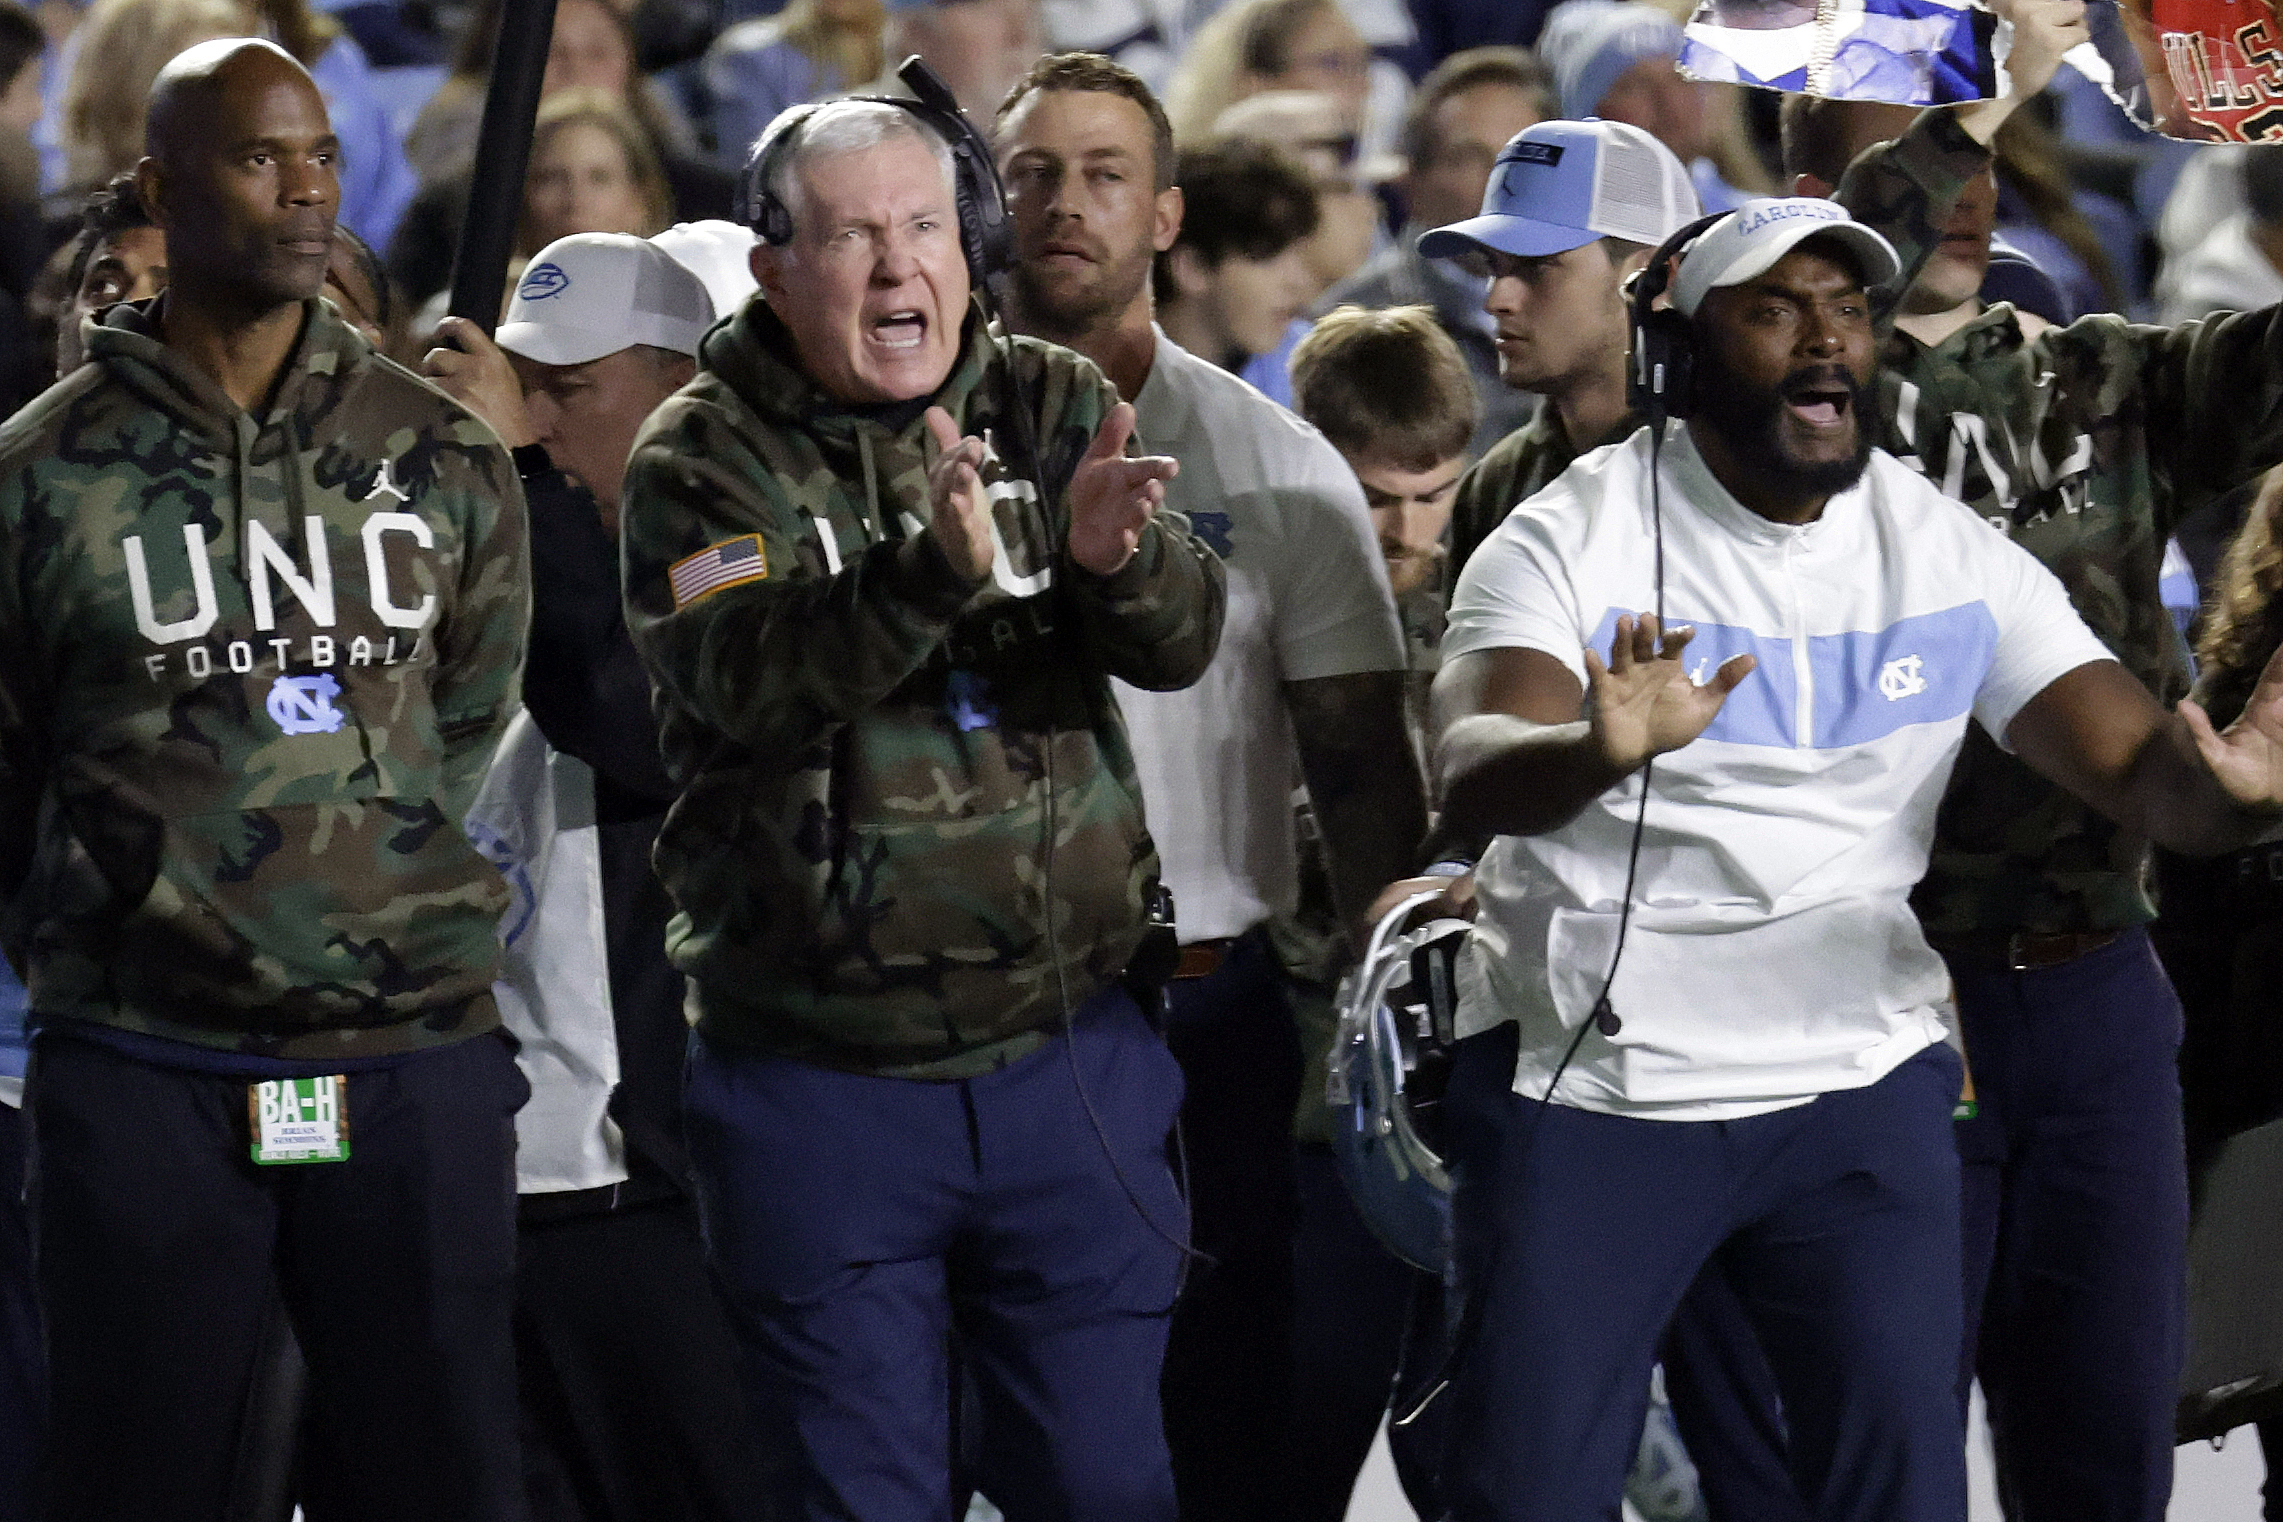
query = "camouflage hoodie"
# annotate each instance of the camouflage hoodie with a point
(872, 749)
(255, 671)
(2087, 445)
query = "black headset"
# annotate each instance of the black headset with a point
(986, 235)
(1661, 381)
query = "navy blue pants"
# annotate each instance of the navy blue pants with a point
(162, 1247)
(855, 1225)
(2076, 1233)
(1581, 1232)
(1228, 1368)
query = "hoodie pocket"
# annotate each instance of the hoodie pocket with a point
(301, 916)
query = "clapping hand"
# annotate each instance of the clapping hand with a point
(1112, 497)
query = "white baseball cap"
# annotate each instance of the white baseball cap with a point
(593, 294)
(1747, 242)
(719, 253)
(1559, 185)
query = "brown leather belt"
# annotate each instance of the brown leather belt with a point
(2021, 950)
(1201, 959)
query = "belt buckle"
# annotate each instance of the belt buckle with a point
(2018, 958)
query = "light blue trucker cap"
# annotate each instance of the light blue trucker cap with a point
(1562, 184)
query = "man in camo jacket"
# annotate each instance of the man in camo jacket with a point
(909, 854)
(263, 601)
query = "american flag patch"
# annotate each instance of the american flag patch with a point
(717, 566)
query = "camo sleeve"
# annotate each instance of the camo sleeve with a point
(1904, 190)
(479, 648)
(2214, 394)
(780, 658)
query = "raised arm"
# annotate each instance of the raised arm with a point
(1517, 758)
(2098, 733)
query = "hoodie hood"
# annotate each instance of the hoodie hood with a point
(128, 343)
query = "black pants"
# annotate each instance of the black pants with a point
(23, 1373)
(1367, 1328)
(631, 1405)
(159, 1244)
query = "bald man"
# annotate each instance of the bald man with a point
(264, 596)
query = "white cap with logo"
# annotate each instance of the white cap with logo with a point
(1746, 244)
(592, 294)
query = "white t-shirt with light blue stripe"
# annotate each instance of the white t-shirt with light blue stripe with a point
(1773, 955)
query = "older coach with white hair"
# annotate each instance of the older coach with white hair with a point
(882, 565)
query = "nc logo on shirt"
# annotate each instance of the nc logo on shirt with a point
(1902, 678)
(303, 705)
(542, 281)
(1217, 530)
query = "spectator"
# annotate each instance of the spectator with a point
(807, 51)
(592, 45)
(592, 171)
(1308, 678)
(115, 54)
(1307, 125)
(1257, 45)
(1615, 59)
(979, 47)
(592, 52)
(628, 1365)
(358, 288)
(1558, 234)
(295, 911)
(118, 256)
(1390, 391)
(2239, 264)
(1237, 276)
(917, 1108)
(1462, 115)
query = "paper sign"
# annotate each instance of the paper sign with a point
(299, 1120)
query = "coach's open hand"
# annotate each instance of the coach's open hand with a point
(1642, 703)
(1112, 497)
(2247, 757)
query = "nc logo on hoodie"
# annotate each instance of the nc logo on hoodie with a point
(303, 705)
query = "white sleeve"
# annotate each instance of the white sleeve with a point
(1334, 613)
(1517, 592)
(2040, 638)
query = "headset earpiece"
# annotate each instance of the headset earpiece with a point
(1660, 380)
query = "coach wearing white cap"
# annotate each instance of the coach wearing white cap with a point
(628, 1364)
(1571, 210)
(1700, 1019)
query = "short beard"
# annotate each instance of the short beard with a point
(1060, 317)
(1750, 418)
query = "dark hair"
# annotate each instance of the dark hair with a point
(1242, 198)
(2263, 182)
(369, 265)
(1386, 385)
(116, 208)
(1265, 48)
(21, 41)
(1102, 76)
(1472, 69)
(1820, 136)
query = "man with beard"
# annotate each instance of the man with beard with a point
(1310, 669)
(1731, 1045)
(265, 596)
